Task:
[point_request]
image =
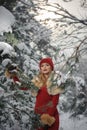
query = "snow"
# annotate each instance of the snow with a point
(1, 92)
(72, 124)
(6, 61)
(23, 47)
(6, 20)
(66, 123)
(7, 49)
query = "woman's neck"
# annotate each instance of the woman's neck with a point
(46, 75)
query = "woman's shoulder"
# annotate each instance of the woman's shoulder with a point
(54, 82)
(58, 73)
(55, 75)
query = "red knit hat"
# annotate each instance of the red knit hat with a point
(47, 60)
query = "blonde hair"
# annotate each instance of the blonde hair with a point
(42, 78)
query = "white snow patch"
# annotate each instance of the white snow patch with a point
(67, 123)
(7, 49)
(6, 20)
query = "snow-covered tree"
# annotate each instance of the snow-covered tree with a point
(36, 29)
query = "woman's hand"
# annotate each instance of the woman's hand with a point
(46, 119)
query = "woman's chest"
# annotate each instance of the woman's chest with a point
(43, 95)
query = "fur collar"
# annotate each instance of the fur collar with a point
(53, 83)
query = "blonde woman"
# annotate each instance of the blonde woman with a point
(47, 97)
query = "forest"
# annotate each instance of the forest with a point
(30, 30)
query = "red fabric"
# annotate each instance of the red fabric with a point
(46, 103)
(15, 79)
(23, 88)
(47, 60)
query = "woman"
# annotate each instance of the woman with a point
(47, 97)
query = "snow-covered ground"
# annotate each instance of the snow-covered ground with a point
(67, 123)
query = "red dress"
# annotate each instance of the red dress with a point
(47, 104)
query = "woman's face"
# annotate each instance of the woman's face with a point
(45, 68)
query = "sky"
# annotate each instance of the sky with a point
(73, 7)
